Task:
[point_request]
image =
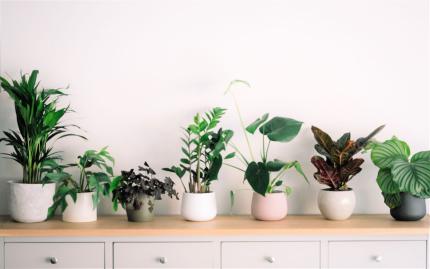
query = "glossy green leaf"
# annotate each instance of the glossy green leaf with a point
(422, 155)
(386, 182)
(383, 155)
(254, 126)
(258, 177)
(281, 129)
(411, 177)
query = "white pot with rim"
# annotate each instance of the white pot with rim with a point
(198, 206)
(336, 205)
(82, 210)
(29, 203)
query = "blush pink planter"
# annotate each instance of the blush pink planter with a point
(273, 206)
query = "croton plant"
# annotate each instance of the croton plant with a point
(338, 166)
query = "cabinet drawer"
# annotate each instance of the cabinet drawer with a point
(270, 255)
(164, 255)
(377, 254)
(63, 255)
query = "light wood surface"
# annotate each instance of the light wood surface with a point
(222, 225)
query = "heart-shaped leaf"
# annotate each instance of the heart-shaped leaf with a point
(281, 129)
(258, 177)
(412, 177)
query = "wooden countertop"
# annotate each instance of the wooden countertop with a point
(221, 226)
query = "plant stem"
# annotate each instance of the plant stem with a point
(235, 167)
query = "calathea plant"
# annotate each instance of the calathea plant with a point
(202, 148)
(259, 173)
(400, 172)
(39, 123)
(338, 165)
(95, 174)
(128, 189)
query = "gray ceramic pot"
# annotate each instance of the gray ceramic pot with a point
(144, 213)
(411, 208)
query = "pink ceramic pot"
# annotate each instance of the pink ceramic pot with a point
(273, 206)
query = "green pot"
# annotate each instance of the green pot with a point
(144, 213)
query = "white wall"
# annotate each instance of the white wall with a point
(138, 70)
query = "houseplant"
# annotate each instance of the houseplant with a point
(403, 180)
(338, 166)
(269, 198)
(39, 124)
(202, 149)
(78, 200)
(137, 192)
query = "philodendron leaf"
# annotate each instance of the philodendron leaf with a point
(386, 182)
(392, 200)
(254, 126)
(275, 165)
(384, 154)
(412, 177)
(281, 129)
(258, 177)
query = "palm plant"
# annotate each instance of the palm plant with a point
(38, 120)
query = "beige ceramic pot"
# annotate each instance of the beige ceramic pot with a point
(273, 206)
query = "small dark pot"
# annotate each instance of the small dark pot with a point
(411, 208)
(144, 213)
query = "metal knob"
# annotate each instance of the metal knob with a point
(271, 259)
(162, 260)
(53, 260)
(378, 258)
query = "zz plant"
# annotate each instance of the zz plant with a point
(338, 167)
(39, 123)
(95, 174)
(202, 148)
(259, 173)
(399, 171)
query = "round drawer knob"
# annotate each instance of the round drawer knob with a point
(378, 258)
(53, 260)
(271, 259)
(162, 260)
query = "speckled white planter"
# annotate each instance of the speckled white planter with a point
(336, 205)
(30, 202)
(82, 210)
(198, 206)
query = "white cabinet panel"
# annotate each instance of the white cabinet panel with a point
(270, 255)
(54, 255)
(165, 255)
(378, 254)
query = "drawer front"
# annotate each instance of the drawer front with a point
(165, 255)
(54, 255)
(378, 254)
(270, 255)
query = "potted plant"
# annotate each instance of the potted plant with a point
(78, 200)
(403, 180)
(269, 201)
(202, 149)
(39, 124)
(335, 170)
(137, 192)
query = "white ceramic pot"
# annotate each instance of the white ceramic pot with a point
(273, 206)
(336, 205)
(198, 206)
(82, 210)
(30, 202)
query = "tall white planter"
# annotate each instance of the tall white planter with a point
(336, 205)
(30, 202)
(198, 206)
(82, 210)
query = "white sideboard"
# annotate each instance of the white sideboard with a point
(364, 241)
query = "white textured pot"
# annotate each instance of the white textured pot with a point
(336, 205)
(82, 210)
(30, 202)
(198, 206)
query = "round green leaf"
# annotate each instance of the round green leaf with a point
(384, 154)
(281, 129)
(386, 182)
(422, 155)
(412, 177)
